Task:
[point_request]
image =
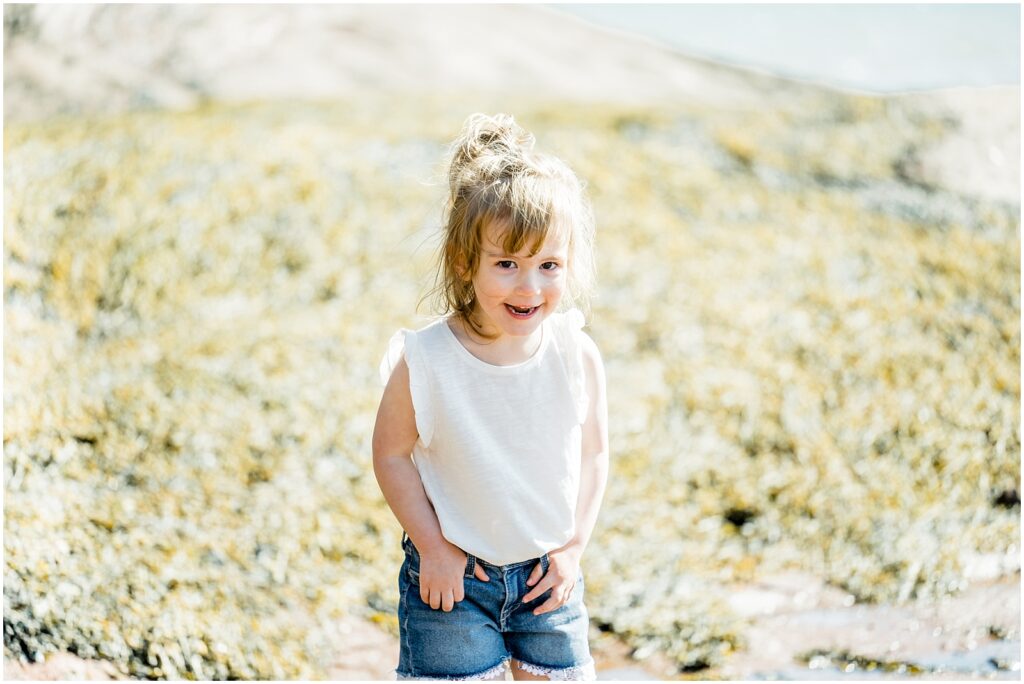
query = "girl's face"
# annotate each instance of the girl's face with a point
(516, 292)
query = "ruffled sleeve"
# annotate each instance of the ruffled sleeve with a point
(404, 343)
(569, 331)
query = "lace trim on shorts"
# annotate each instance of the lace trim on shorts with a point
(579, 673)
(485, 675)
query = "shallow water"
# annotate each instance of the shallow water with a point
(981, 660)
(877, 48)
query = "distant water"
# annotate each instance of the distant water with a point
(874, 48)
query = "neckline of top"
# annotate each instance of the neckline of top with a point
(490, 367)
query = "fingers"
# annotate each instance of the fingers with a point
(536, 576)
(443, 599)
(561, 591)
(538, 590)
(554, 602)
(481, 574)
(538, 572)
(549, 605)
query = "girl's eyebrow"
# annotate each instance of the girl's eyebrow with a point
(494, 255)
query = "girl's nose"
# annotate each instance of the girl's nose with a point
(529, 283)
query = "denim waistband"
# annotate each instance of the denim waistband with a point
(407, 543)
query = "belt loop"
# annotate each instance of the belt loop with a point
(470, 565)
(545, 562)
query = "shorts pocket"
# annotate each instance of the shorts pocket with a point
(412, 561)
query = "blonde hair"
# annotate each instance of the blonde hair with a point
(495, 176)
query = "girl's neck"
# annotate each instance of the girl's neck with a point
(505, 350)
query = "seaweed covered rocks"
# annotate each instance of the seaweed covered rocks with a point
(813, 365)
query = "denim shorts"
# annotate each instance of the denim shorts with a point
(491, 624)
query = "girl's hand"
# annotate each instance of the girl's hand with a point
(441, 575)
(563, 569)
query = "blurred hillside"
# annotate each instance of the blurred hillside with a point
(96, 59)
(110, 58)
(812, 336)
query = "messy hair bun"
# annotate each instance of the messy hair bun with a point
(495, 175)
(489, 147)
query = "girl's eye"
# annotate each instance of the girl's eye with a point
(506, 264)
(549, 265)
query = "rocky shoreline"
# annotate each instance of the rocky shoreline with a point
(812, 330)
(973, 636)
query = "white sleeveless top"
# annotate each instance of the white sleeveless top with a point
(499, 447)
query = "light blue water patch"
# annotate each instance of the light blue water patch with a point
(875, 48)
(796, 674)
(990, 657)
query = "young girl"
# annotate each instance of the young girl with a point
(501, 406)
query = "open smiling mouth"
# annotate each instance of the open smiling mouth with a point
(521, 312)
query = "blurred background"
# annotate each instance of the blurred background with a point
(808, 246)
(886, 48)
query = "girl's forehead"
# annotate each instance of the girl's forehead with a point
(494, 232)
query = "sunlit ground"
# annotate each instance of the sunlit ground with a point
(813, 364)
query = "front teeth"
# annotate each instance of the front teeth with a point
(521, 311)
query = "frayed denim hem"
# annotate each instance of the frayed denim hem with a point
(485, 675)
(579, 673)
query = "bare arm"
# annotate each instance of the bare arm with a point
(394, 436)
(442, 564)
(565, 561)
(594, 467)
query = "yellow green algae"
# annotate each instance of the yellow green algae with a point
(813, 363)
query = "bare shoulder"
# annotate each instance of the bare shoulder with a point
(592, 361)
(399, 375)
(589, 347)
(395, 429)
